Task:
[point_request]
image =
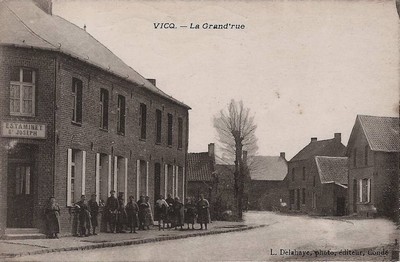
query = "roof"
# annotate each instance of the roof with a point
(268, 168)
(23, 24)
(382, 133)
(332, 169)
(329, 147)
(200, 167)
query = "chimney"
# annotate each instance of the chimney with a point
(314, 139)
(282, 154)
(338, 137)
(245, 157)
(211, 150)
(45, 5)
(152, 80)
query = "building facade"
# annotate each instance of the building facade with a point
(305, 190)
(77, 120)
(267, 189)
(373, 151)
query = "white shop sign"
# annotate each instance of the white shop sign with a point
(23, 130)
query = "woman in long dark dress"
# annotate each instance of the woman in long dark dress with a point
(52, 213)
(142, 212)
(190, 212)
(203, 210)
(178, 213)
(132, 210)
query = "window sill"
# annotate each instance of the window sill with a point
(20, 115)
(180, 148)
(158, 143)
(103, 129)
(170, 146)
(120, 133)
(76, 123)
(142, 139)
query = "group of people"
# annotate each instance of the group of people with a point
(133, 214)
(170, 213)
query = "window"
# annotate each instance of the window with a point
(365, 190)
(121, 115)
(142, 121)
(22, 92)
(293, 174)
(314, 200)
(366, 155)
(158, 126)
(103, 108)
(180, 133)
(304, 173)
(314, 181)
(170, 129)
(76, 100)
(303, 196)
(355, 157)
(76, 181)
(291, 197)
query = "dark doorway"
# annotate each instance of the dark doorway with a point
(298, 199)
(157, 181)
(20, 193)
(341, 206)
(355, 196)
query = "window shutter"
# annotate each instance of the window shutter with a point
(166, 179)
(116, 174)
(360, 190)
(83, 172)
(369, 190)
(137, 178)
(97, 180)
(69, 162)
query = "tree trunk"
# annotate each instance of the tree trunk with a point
(239, 178)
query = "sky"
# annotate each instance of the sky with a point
(304, 68)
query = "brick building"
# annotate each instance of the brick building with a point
(200, 173)
(373, 150)
(306, 191)
(267, 189)
(75, 119)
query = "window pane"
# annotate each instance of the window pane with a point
(27, 92)
(15, 75)
(27, 107)
(27, 76)
(18, 181)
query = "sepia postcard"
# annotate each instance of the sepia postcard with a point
(170, 130)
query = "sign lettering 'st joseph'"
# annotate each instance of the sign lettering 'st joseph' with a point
(23, 130)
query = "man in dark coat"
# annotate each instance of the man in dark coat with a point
(94, 211)
(112, 209)
(84, 216)
(121, 214)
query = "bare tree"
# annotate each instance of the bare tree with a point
(236, 134)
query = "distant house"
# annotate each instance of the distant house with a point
(200, 169)
(373, 151)
(329, 189)
(266, 185)
(306, 182)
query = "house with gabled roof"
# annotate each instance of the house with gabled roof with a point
(373, 150)
(309, 178)
(77, 120)
(266, 181)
